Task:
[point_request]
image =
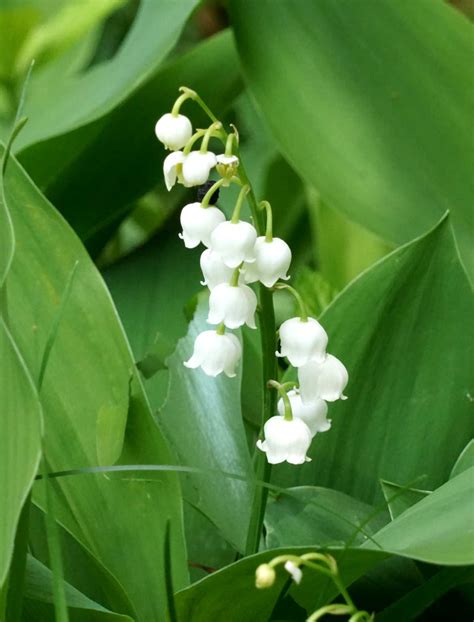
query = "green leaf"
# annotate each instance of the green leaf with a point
(401, 498)
(89, 368)
(407, 347)
(208, 409)
(415, 602)
(438, 529)
(230, 594)
(370, 106)
(38, 603)
(20, 441)
(94, 173)
(319, 516)
(54, 111)
(465, 460)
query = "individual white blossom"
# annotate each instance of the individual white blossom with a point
(172, 167)
(216, 353)
(196, 167)
(302, 341)
(264, 576)
(285, 440)
(312, 413)
(214, 269)
(234, 242)
(228, 160)
(294, 570)
(326, 380)
(198, 223)
(272, 260)
(232, 305)
(173, 131)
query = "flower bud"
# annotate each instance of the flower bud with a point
(216, 353)
(172, 167)
(234, 242)
(198, 223)
(232, 305)
(272, 260)
(312, 413)
(302, 341)
(173, 131)
(214, 269)
(286, 440)
(264, 576)
(196, 167)
(295, 572)
(326, 380)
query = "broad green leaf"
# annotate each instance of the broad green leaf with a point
(415, 602)
(404, 331)
(54, 111)
(93, 174)
(399, 498)
(90, 367)
(465, 460)
(319, 516)
(38, 604)
(372, 106)
(230, 594)
(81, 568)
(202, 420)
(20, 441)
(438, 529)
(67, 26)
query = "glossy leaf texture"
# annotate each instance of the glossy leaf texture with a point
(38, 603)
(438, 529)
(90, 376)
(202, 420)
(230, 594)
(408, 351)
(20, 442)
(153, 34)
(319, 516)
(371, 106)
(94, 173)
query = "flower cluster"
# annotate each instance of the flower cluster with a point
(236, 256)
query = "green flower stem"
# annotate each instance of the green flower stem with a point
(187, 94)
(288, 416)
(269, 229)
(266, 312)
(220, 330)
(299, 300)
(229, 142)
(238, 206)
(216, 126)
(210, 192)
(335, 609)
(234, 281)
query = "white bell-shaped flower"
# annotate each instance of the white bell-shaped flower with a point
(272, 260)
(214, 269)
(198, 223)
(172, 167)
(286, 440)
(302, 341)
(326, 380)
(314, 413)
(234, 242)
(234, 305)
(294, 570)
(173, 131)
(216, 353)
(196, 167)
(231, 160)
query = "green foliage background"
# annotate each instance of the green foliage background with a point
(356, 122)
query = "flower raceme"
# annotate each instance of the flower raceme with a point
(236, 256)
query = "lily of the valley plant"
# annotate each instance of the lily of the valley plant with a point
(235, 256)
